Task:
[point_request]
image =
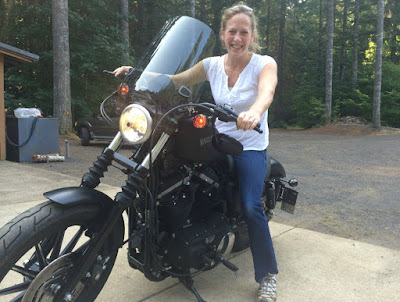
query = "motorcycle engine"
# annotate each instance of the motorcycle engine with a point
(187, 196)
(198, 245)
(190, 213)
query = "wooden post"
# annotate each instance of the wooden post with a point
(2, 112)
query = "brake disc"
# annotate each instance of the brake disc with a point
(47, 283)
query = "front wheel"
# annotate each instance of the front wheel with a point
(40, 247)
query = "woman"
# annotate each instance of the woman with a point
(246, 81)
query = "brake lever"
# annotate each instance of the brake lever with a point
(108, 72)
(113, 74)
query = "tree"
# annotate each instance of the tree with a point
(279, 92)
(320, 44)
(216, 7)
(202, 14)
(344, 40)
(268, 25)
(61, 66)
(124, 25)
(376, 116)
(355, 47)
(192, 10)
(329, 60)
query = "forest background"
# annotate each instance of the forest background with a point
(294, 32)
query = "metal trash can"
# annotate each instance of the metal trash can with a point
(32, 136)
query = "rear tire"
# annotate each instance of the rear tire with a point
(85, 136)
(241, 239)
(38, 237)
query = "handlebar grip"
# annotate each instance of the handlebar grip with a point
(258, 128)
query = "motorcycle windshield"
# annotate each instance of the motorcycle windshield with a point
(181, 43)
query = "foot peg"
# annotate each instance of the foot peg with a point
(227, 263)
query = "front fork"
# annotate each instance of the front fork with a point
(123, 200)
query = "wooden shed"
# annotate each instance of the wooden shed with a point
(9, 56)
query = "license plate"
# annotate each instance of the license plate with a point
(289, 197)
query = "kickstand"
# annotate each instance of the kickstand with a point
(188, 283)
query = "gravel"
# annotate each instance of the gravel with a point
(348, 181)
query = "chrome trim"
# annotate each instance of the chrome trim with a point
(173, 187)
(226, 244)
(116, 142)
(156, 151)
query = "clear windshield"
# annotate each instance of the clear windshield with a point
(180, 44)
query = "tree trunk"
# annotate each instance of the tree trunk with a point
(192, 8)
(281, 46)
(376, 116)
(202, 16)
(61, 66)
(343, 47)
(216, 7)
(329, 60)
(124, 26)
(355, 47)
(320, 80)
(393, 7)
(268, 25)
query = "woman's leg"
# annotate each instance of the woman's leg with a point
(252, 168)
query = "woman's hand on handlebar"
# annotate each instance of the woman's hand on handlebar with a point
(247, 120)
(122, 70)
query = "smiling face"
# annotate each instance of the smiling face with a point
(237, 34)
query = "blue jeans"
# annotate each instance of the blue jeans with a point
(251, 168)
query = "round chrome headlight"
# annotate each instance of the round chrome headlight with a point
(135, 124)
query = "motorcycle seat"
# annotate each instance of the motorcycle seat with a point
(275, 169)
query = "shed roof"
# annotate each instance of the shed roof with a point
(15, 55)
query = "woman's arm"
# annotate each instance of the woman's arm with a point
(189, 77)
(267, 81)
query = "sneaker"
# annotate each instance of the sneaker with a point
(267, 290)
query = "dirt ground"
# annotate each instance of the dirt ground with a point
(348, 172)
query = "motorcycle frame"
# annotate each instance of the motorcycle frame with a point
(124, 200)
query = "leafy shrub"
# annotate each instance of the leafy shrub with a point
(360, 106)
(310, 112)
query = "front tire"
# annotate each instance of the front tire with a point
(37, 243)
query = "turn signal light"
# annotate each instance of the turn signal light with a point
(200, 121)
(123, 89)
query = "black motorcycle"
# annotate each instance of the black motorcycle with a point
(181, 194)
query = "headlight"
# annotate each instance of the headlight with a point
(135, 124)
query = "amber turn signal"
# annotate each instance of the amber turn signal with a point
(123, 89)
(200, 121)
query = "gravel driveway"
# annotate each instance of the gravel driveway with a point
(348, 180)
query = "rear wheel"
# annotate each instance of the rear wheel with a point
(242, 240)
(85, 136)
(40, 247)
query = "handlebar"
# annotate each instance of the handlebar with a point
(131, 71)
(227, 114)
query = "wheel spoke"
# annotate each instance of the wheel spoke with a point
(45, 248)
(73, 242)
(24, 271)
(40, 256)
(15, 288)
(57, 246)
(19, 297)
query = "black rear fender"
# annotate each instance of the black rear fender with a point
(275, 169)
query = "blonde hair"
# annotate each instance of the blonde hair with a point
(242, 8)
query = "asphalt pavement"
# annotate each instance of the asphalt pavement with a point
(313, 266)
